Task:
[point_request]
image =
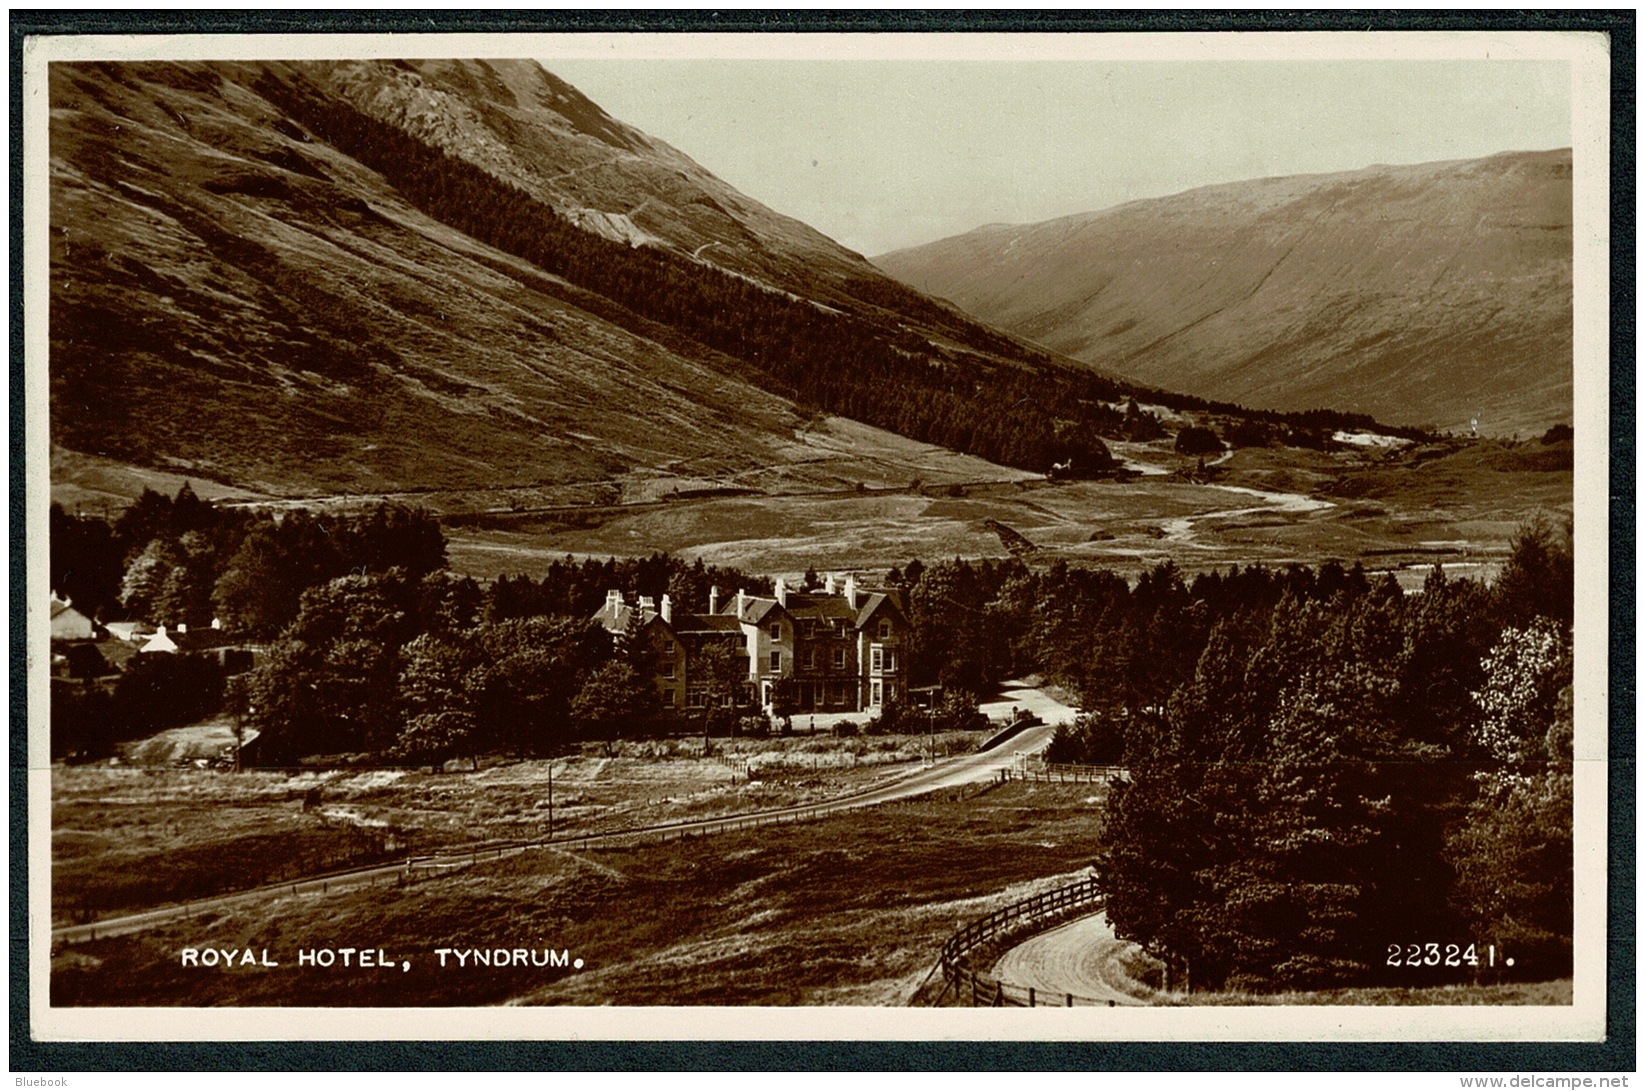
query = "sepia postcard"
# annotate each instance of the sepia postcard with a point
(1065, 537)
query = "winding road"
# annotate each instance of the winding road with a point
(954, 772)
(1182, 530)
(1081, 958)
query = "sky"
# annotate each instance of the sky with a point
(883, 154)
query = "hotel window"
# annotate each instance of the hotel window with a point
(876, 660)
(885, 629)
(877, 696)
(776, 662)
(776, 630)
(668, 668)
(890, 660)
(839, 658)
(811, 659)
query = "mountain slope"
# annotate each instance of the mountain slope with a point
(384, 276)
(527, 126)
(1418, 294)
(233, 298)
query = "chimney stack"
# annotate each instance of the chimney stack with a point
(647, 603)
(828, 584)
(782, 592)
(666, 608)
(739, 604)
(613, 600)
(713, 600)
(182, 627)
(851, 591)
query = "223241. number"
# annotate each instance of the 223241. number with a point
(1435, 954)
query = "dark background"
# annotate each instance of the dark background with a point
(1616, 1054)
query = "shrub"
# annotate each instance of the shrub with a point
(1247, 433)
(158, 690)
(893, 718)
(958, 711)
(1193, 440)
(1559, 433)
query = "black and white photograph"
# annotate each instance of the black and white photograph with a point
(817, 536)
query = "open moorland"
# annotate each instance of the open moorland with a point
(850, 909)
(1402, 508)
(126, 838)
(843, 495)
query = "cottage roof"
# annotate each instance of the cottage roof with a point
(161, 641)
(822, 607)
(615, 617)
(706, 623)
(878, 600)
(129, 630)
(69, 623)
(755, 610)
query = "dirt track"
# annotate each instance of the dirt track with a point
(1081, 957)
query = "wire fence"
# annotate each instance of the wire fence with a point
(986, 939)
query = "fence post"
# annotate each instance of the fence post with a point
(1030, 996)
(1070, 999)
(999, 994)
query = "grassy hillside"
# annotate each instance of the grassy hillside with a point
(300, 279)
(1418, 294)
(235, 301)
(375, 277)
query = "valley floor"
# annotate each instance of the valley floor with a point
(852, 497)
(1397, 511)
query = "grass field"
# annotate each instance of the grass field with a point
(1388, 509)
(839, 496)
(1536, 993)
(129, 838)
(850, 909)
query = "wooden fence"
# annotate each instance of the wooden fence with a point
(986, 938)
(1047, 773)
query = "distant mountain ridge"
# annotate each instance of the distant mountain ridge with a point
(1423, 294)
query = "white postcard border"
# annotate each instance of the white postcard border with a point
(1583, 1021)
